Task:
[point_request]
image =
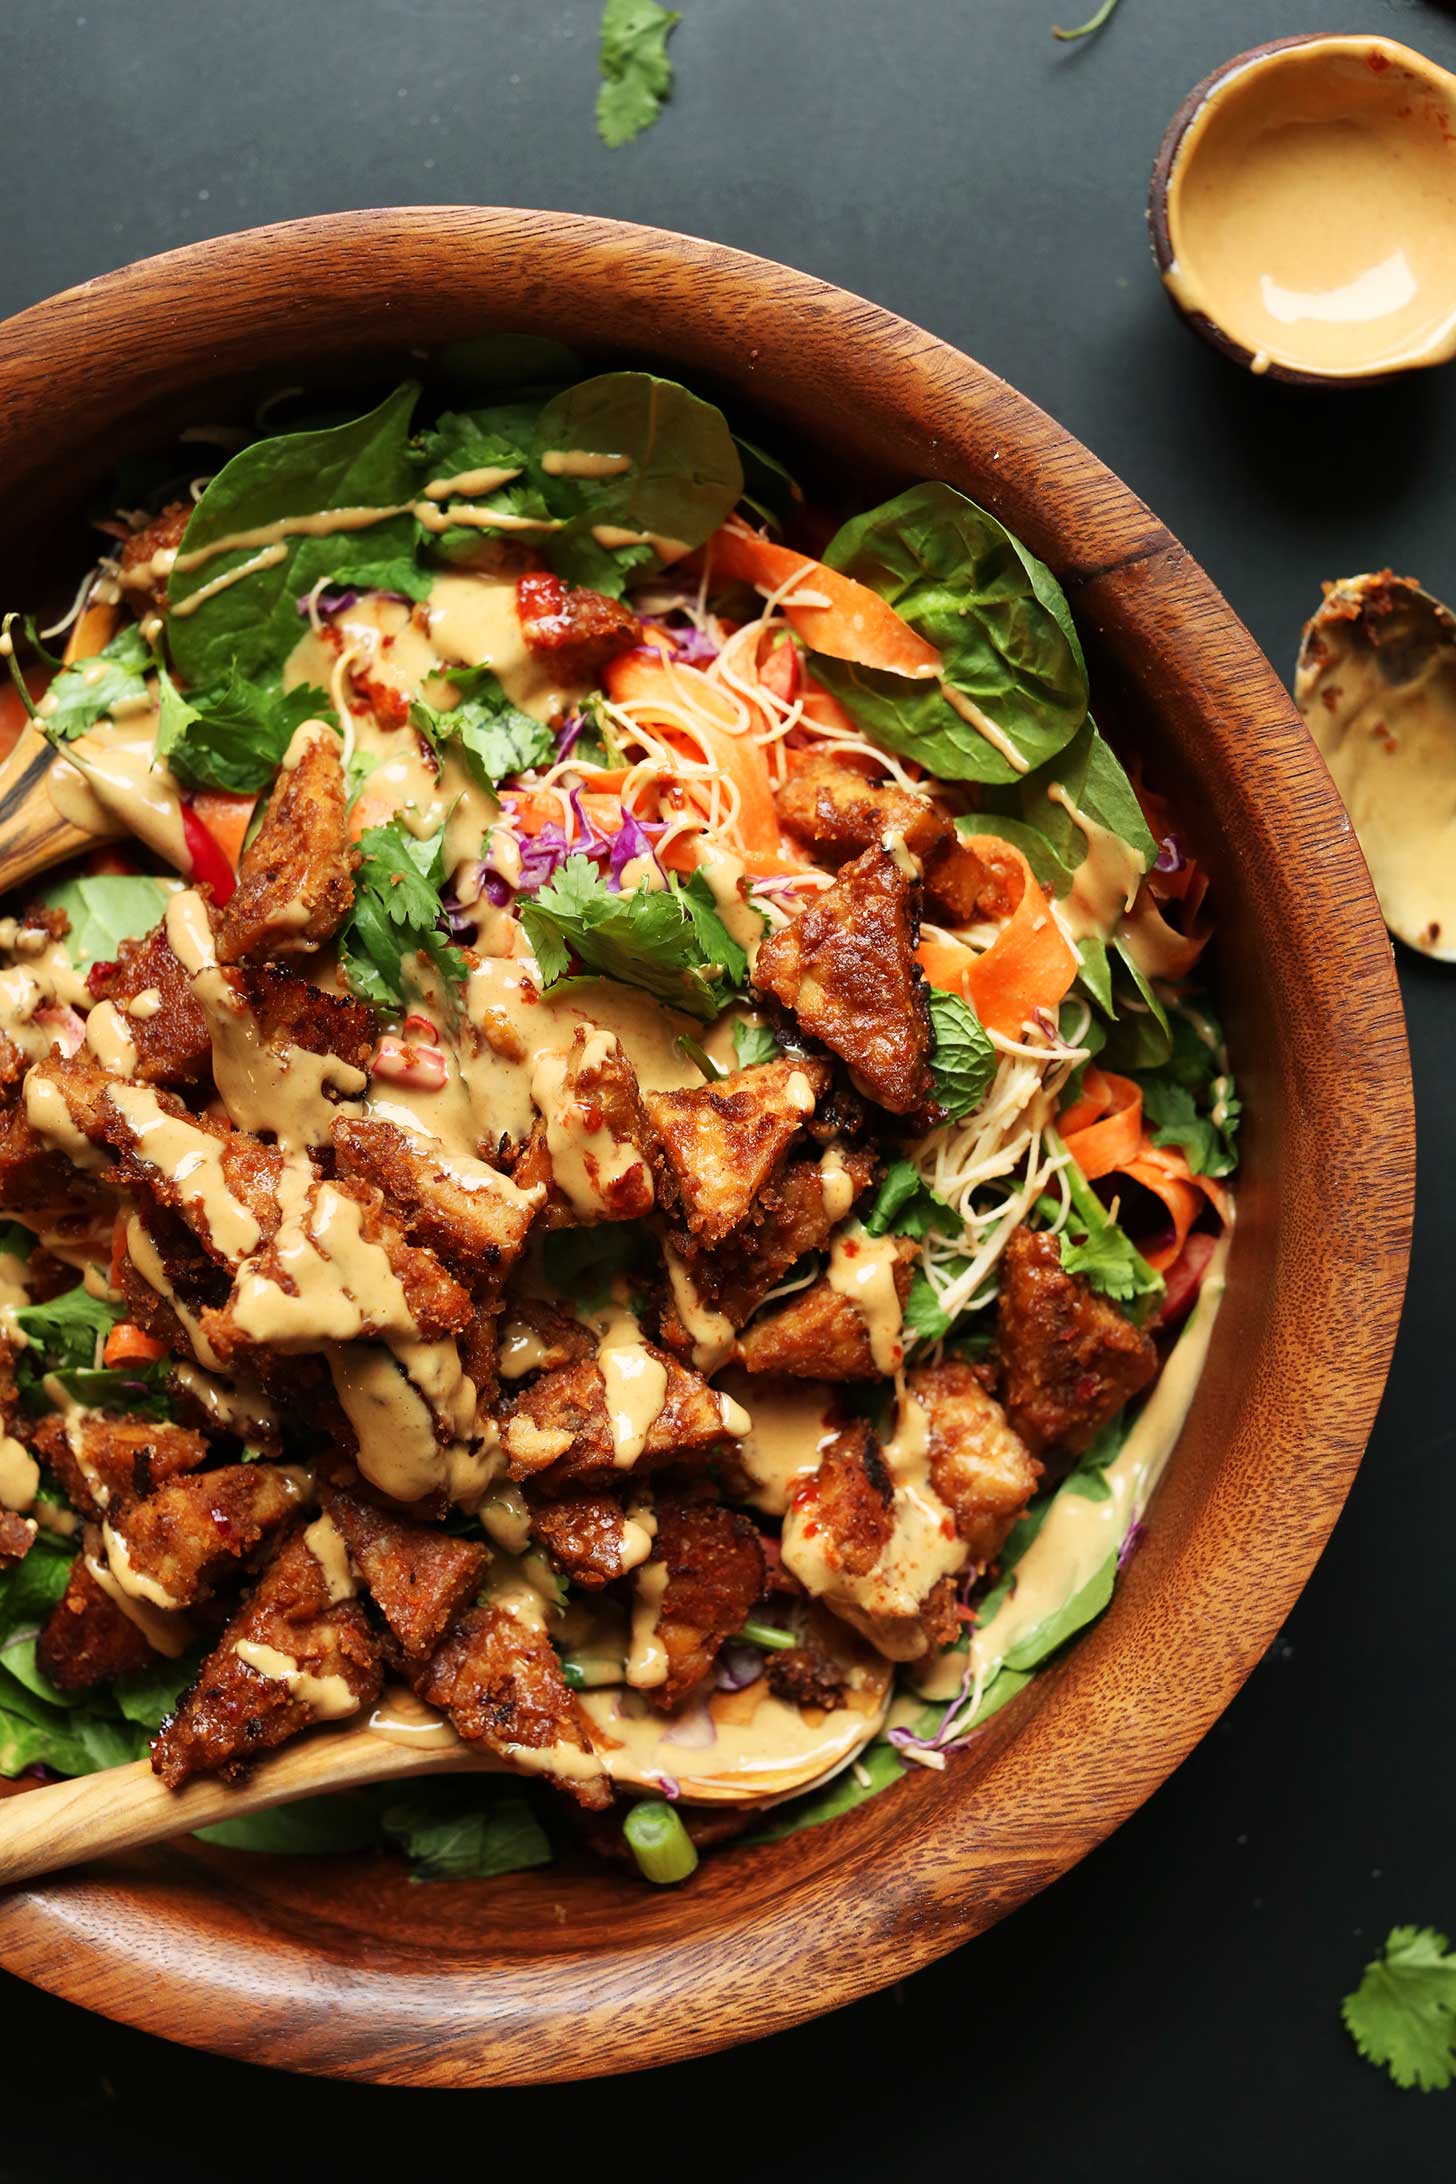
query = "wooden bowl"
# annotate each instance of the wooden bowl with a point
(342, 1966)
(1400, 65)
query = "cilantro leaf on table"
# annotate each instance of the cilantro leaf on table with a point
(233, 736)
(1403, 2013)
(636, 72)
(648, 938)
(90, 690)
(395, 914)
(905, 1205)
(963, 1060)
(496, 738)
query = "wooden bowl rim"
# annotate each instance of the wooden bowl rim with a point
(113, 1938)
(1217, 337)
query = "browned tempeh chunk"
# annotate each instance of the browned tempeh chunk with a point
(1069, 1359)
(559, 1427)
(17, 1537)
(312, 1658)
(725, 1141)
(99, 1458)
(585, 1534)
(501, 1684)
(191, 1164)
(296, 881)
(419, 1579)
(820, 1334)
(40, 1185)
(537, 1337)
(806, 1677)
(292, 1011)
(715, 1573)
(191, 1531)
(87, 1639)
(841, 813)
(593, 1146)
(192, 1280)
(143, 575)
(850, 1500)
(979, 1467)
(472, 1217)
(846, 968)
(171, 1041)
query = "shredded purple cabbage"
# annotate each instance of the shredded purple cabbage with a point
(339, 598)
(1130, 1544)
(1172, 857)
(670, 1787)
(569, 735)
(631, 841)
(693, 649)
(739, 1665)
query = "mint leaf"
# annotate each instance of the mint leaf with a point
(395, 915)
(461, 1831)
(1403, 2013)
(232, 737)
(905, 1205)
(636, 72)
(495, 736)
(91, 690)
(963, 1061)
(754, 1043)
(648, 938)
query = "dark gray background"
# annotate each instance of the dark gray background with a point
(1170, 2009)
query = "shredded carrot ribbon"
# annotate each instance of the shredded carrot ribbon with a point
(1029, 966)
(857, 624)
(1163, 1170)
(128, 1344)
(647, 682)
(1103, 1129)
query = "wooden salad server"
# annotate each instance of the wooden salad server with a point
(33, 835)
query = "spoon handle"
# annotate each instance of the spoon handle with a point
(33, 835)
(126, 1807)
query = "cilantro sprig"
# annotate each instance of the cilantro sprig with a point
(1094, 1245)
(905, 1205)
(636, 72)
(395, 915)
(88, 690)
(1403, 2013)
(235, 735)
(669, 941)
(495, 737)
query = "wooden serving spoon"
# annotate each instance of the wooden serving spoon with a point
(33, 835)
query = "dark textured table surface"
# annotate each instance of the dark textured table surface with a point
(1171, 2007)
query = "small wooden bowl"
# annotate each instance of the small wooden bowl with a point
(342, 1966)
(1400, 61)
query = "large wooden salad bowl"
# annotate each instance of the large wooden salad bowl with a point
(340, 1965)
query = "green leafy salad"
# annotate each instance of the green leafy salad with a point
(623, 1147)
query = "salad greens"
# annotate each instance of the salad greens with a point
(233, 737)
(106, 908)
(83, 693)
(669, 941)
(964, 1060)
(395, 915)
(996, 615)
(494, 736)
(636, 72)
(1094, 1245)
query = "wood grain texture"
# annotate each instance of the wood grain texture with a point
(341, 1966)
(33, 835)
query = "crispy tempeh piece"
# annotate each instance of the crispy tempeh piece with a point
(852, 1498)
(291, 1656)
(841, 813)
(820, 1334)
(87, 1639)
(501, 1684)
(292, 1011)
(100, 1458)
(805, 1677)
(471, 1216)
(560, 1427)
(296, 881)
(715, 1573)
(192, 1531)
(724, 1142)
(584, 1533)
(979, 1467)
(169, 1032)
(593, 1146)
(419, 1578)
(846, 968)
(146, 558)
(1069, 1359)
(579, 629)
(17, 1537)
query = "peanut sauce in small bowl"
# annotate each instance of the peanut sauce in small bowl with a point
(1303, 210)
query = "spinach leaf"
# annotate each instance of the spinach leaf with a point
(905, 1205)
(995, 614)
(1142, 1037)
(91, 690)
(138, 1389)
(647, 939)
(880, 1762)
(963, 1060)
(233, 737)
(400, 574)
(150, 1694)
(106, 908)
(495, 736)
(683, 476)
(508, 364)
(636, 72)
(771, 494)
(1048, 867)
(395, 915)
(252, 625)
(1088, 770)
(32, 1587)
(463, 1831)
